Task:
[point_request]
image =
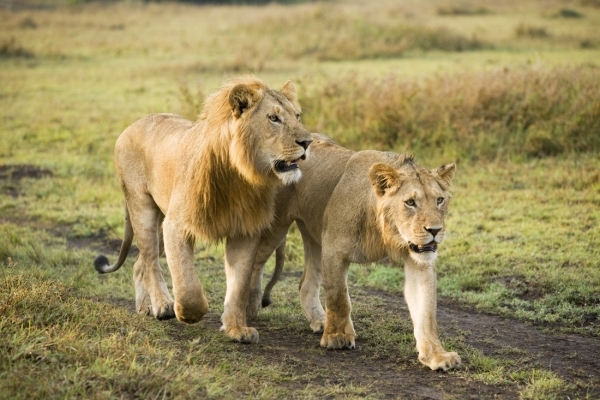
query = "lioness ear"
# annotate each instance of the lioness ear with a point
(241, 98)
(289, 91)
(384, 179)
(446, 172)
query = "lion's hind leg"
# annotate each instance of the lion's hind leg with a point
(339, 331)
(151, 294)
(310, 284)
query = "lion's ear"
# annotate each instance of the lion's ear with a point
(289, 91)
(241, 98)
(446, 172)
(385, 179)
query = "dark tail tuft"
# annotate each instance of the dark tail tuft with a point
(266, 302)
(100, 263)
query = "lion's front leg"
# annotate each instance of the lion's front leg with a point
(190, 301)
(239, 260)
(420, 295)
(339, 331)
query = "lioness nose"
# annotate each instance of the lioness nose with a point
(304, 143)
(433, 231)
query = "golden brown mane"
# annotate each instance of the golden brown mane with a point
(226, 194)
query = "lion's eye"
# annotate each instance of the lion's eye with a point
(298, 117)
(440, 200)
(274, 118)
(410, 203)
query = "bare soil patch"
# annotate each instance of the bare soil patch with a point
(572, 357)
(12, 174)
(16, 172)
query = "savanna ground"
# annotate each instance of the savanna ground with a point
(509, 90)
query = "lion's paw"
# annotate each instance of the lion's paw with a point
(165, 311)
(190, 314)
(442, 361)
(340, 341)
(145, 310)
(243, 335)
(317, 326)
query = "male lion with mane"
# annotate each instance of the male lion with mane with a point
(362, 207)
(212, 179)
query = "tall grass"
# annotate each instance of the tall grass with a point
(522, 112)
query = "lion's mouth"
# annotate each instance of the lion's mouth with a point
(431, 246)
(285, 166)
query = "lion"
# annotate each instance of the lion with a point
(362, 207)
(214, 179)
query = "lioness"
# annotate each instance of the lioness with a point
(361, 207)
(212, 179)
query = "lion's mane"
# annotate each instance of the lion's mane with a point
(226, 195)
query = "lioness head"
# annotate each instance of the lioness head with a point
(411, 204)
(269, 131)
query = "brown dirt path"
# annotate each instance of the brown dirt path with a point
(574, 358)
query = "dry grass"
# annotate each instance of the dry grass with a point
(473, 115)
(325, 33)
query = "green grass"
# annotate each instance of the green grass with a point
(508, 91)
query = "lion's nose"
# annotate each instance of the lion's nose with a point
(304, 143)
(433, 231)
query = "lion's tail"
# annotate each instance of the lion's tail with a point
(279, 261)
(101, 262)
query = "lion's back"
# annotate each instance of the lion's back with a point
(148, 152)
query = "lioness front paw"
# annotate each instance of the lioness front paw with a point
(339, 341)
(442, 361)
(243, 335)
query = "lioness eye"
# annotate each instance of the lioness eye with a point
(274, 118)
(410, 202)
(298, 117)
(440, 200)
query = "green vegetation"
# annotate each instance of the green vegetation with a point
(507, 90)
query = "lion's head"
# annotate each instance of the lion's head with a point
(265, 135)
(411, 204)
(250, 141)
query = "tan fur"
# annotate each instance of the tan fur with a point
(209, 180)
(352, 207)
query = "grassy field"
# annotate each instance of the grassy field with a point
(508, 90)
